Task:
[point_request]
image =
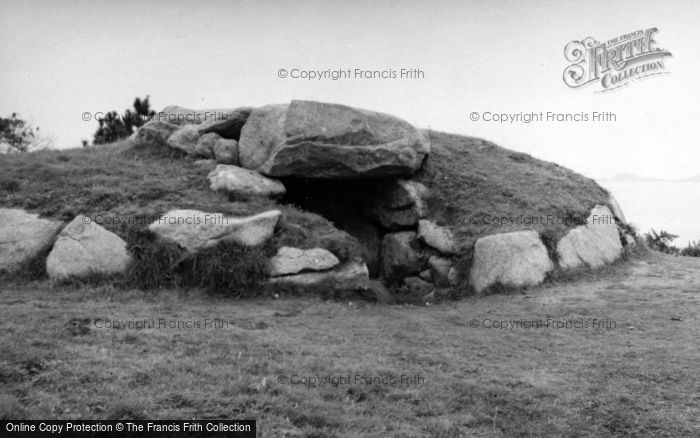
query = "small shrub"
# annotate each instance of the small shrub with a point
(692, 250)
(155, 261)
(227, 268)
(9, 185)
(661, 241)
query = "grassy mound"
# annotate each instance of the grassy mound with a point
(124, 189)
(479, 188)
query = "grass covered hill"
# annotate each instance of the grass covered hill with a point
(477, 189)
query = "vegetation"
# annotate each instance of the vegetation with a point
(474, 185)
(636, 378)
(692, 250)
(124, 189)
(480, 188)
(227, 268)
(662, 242)
(20, 136)
(114, 126)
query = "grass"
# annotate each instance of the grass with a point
(123, 189)
(638, 378)
(474, 181)
(96, 351)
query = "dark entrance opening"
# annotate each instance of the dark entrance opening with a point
(343, 202)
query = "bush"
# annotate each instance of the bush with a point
(227, 268)
(114, 126)
(661, 241)
(155, 261)
(9, 185)
(692, 250)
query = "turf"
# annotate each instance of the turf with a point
(122, 187)
(472, 181)
(475, 184)
(633, 375)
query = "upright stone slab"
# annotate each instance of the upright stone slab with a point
(595, 244)
(510, 259)
(85, 248)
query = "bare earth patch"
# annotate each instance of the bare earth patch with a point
(634, 374)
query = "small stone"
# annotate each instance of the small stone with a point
(437, 237)
(417, 286)
(440, 270)
(426, 275)
(401, 256)
(244, 183)
(294, 260)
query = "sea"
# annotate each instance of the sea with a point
(672, 206)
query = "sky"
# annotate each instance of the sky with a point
(62, 59)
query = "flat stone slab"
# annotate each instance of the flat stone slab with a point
(323, 140)
(194, 229)
(244, 183)
(349, 276)
(290, 260)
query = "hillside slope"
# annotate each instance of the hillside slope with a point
(480, 188)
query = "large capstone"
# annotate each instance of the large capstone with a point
(322, 140)
(205, 118)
